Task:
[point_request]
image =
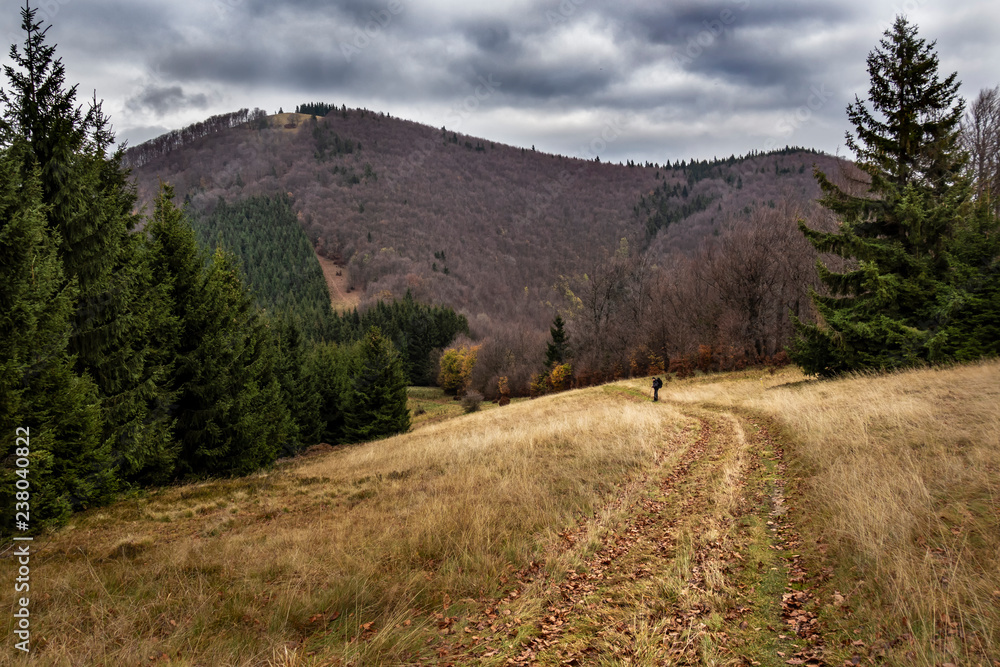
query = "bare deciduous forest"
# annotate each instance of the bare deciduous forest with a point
(691, 263)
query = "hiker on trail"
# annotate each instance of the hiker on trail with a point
(657, 383)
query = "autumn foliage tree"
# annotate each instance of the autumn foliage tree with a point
(457, 364)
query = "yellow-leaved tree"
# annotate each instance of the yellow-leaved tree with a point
(456, 368)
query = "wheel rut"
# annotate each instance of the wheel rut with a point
(699, 571)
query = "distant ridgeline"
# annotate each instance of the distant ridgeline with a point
(281, 269)
(136, 156)
(668, 204)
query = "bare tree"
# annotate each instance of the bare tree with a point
(760, 268)
(981, 139)
(615, 300)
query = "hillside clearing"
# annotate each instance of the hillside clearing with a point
(749, 518)
(341, 298)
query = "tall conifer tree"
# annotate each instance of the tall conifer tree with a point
(375, 401)
(89, 203)
(557, 350)
(231, 418)
(39, 390)
(299, 388)
(327, 368)
(906, 284)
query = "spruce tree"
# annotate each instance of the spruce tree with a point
(89, 206)
(375, 400)
(557, 351)
(327, 369)
(230, 414)
(231, 418)
(299, 387)
(69, 465)
(900, 300)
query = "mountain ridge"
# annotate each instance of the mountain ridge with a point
(458, 219)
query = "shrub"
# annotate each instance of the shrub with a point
(471, 401)
(656, 364)
(539, 385)
(504, 388)
(560, 377)
(681, 367)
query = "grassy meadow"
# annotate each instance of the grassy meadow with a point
(899, 478)
(323, 550)
(589, 527)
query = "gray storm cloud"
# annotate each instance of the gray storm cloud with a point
(698, 78)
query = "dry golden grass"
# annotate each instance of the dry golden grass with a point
(279, 120)
(266, 569)
(902, 477)
(345, 556)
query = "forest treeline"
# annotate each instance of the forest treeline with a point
(131, 354)
(163, 144)
(315, 108)
(280, 269)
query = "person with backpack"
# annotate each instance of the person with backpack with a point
(657, 383)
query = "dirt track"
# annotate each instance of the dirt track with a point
(697, 567)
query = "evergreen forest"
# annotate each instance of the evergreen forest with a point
(141, 349)
(277, 261)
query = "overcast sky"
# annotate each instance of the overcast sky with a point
(622, 80)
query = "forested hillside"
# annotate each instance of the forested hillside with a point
(464, 220)
(276, 259)
(676, 265)
(509, 236)
(132, 355)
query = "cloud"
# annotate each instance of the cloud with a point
(138, 134)
(164, 100)
(705, 77)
